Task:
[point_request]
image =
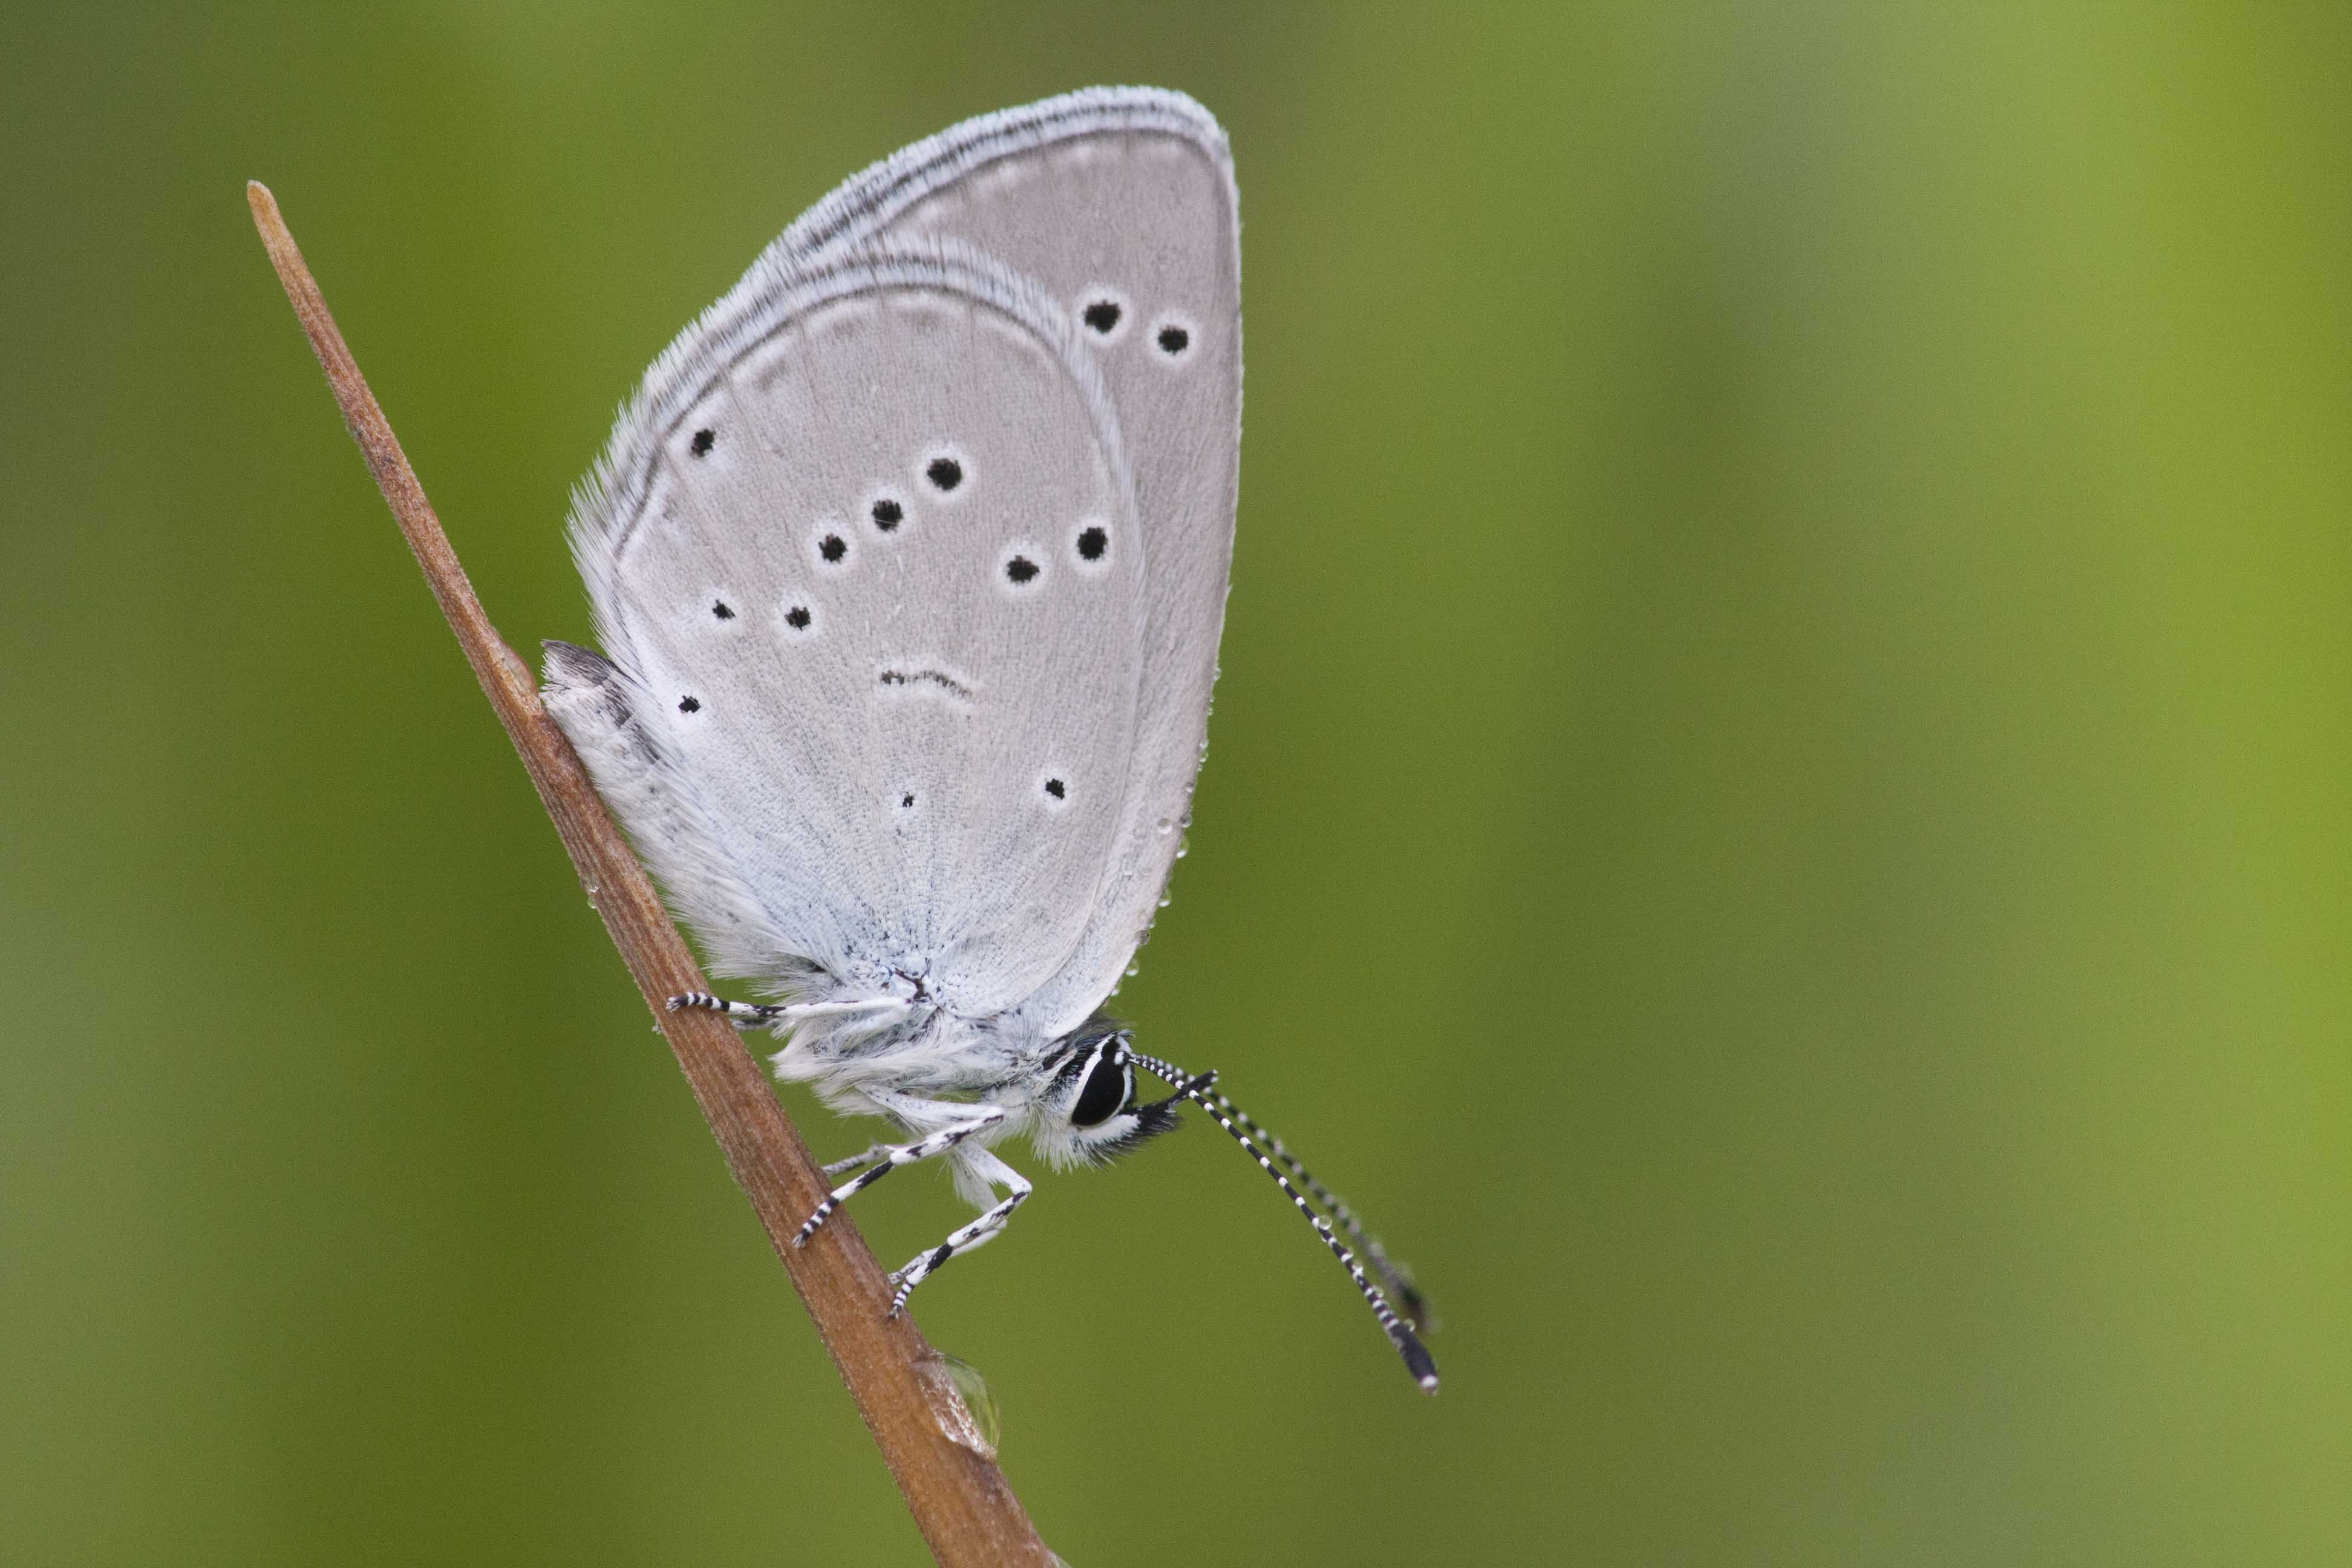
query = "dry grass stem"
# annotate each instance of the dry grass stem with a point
(961, 1501)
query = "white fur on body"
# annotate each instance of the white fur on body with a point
(912, 1061)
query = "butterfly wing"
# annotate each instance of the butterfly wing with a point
(1119, 204)
(870, 698)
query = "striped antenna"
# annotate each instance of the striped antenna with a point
(1230, 1117)
(1394, 1276)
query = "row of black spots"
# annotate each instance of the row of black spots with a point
(1023, 566)
(1057, 792)
(799, 618)
(798, 615)
(1107, 315)
(1053, 790)
(1054, 787)
(941, 468)
(1021, 569)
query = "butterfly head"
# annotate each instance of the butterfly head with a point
(1086, 1111)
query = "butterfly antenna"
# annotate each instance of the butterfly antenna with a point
(1394, 1276)
(1230, 1117)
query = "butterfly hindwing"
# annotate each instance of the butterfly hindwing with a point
(839, 558)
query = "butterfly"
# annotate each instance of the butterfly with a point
(908, 560)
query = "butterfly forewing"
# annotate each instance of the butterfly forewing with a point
(1119, 205)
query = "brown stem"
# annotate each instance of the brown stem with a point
(961, 1501)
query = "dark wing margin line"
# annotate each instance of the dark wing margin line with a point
(871, 198)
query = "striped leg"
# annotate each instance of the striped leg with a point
(871, 1153)
(742, 1015)
(897, 1154)
(765, 1015)
(978, 1232)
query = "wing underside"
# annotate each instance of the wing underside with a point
(1040, 298)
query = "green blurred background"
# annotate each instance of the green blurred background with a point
(1778, 815)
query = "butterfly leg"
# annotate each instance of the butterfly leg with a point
(742, 1015)
(857, 1161)
(766, 1014)
(978, 1118)
(996, 1172)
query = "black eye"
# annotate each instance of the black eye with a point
(1108, 1083)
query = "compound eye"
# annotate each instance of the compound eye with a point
(1110, 1083)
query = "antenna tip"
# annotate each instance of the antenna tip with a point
(1418, 1362)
